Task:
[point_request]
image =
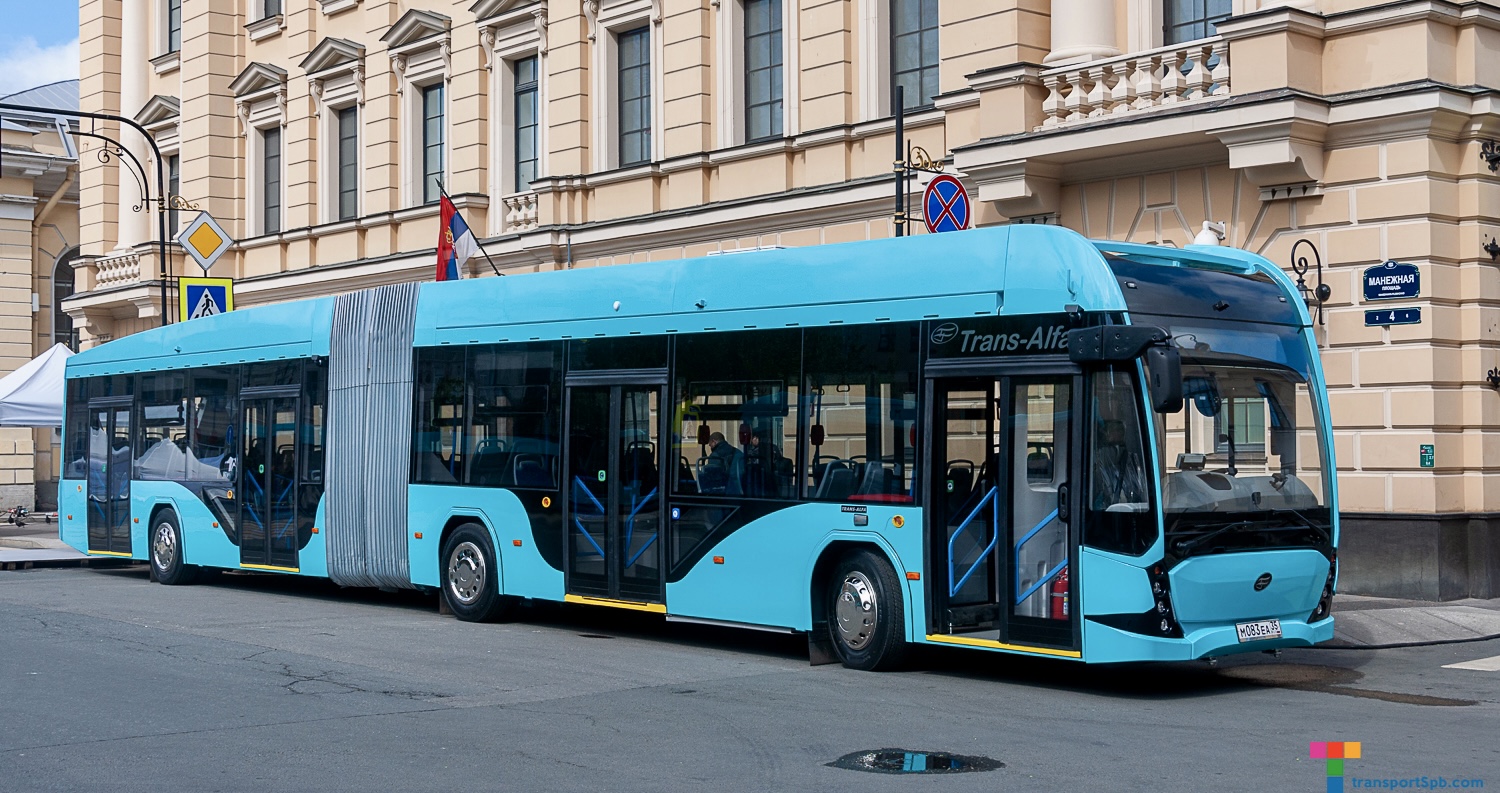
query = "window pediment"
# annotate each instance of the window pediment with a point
(415, 27)
(333, 54)
(486, 10)
(158, 110)
(258, 77)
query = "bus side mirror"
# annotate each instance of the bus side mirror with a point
(816, 435)
(1164, 375)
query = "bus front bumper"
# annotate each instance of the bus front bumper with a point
(1103, 644)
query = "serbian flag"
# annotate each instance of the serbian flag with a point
(455, 243)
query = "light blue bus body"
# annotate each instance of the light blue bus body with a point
(1161, 588)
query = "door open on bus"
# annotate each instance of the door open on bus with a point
(109, 477)
(268, 481)
(1002, 507)
(615, 490)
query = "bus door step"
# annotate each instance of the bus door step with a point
(973, 617)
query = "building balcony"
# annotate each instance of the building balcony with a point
(1136, 82)
(520, 213)
(117, 269)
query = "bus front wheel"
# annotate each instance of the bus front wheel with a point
(866, 617)
(471, 575)
(166, 551)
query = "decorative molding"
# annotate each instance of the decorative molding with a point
(331, 7)
(398, 66)
(332, 55)
(266, 28)
(158, 110)
(591, 11)
(415, 27)
(257, 77)
(487, 47)
(163, 64)
(1285, 191)
(539, 18)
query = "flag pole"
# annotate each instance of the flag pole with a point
(444, 191)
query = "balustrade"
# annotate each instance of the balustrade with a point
(1140, 81)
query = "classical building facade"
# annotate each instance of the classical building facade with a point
(584, 133)
(38, 246)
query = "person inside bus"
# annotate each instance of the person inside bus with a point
(724, 469)
(1119, 477)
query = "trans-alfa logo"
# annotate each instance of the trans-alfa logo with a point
(944, 333)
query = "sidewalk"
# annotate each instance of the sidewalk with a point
(1360, 621)
(36, 545)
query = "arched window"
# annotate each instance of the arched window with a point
(62, 288)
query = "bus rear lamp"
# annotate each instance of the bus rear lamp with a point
(516, 543)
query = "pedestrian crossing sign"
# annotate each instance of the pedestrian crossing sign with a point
(204, 297)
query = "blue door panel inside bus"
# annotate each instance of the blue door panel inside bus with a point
(766, 575)
(1223, 587)
(298, 329)
(523, 571)
(850, 282)
(1110, 586)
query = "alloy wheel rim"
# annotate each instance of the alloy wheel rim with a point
(466, 573)
(857, 611)
(164, 546)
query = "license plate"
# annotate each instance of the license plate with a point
(1258, 630)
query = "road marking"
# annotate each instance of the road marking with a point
(1491, 664)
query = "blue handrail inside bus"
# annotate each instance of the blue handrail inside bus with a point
(1020, 596)
(584, 488)
(994, 499)
(630, 527)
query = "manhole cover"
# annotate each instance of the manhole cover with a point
(904, 761)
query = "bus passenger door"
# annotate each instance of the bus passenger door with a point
(614, 547)
(267, 485)
(1002, 509)
(109, 478)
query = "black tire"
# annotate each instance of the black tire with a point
(870, 633)
(165, 543)
(470, 574)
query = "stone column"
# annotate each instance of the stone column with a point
(135, 18)
(1082, 30)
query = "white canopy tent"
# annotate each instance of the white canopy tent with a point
(32, 396)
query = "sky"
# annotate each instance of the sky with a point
(38, 43)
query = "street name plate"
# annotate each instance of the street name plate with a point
(1393, 316)
(1392, 281)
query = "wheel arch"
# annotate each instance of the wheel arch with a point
(828, 557)
(460, 517)
(159, 505)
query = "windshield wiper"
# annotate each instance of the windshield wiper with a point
(1308, 522)
(1183, 546)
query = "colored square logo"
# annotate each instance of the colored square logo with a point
(1335, 767)
(1335, 750)
(1318, 750)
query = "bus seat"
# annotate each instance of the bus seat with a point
(431, 469)
(838, 481)
(875, 481)
(489, 466)
(530, 471)
(685, 482)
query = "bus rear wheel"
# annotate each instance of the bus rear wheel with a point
(866, 616)
(166, 551)
(471, 575)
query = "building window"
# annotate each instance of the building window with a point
(62, 289)
(525, 141)
(914, 50)
(174, 188)
(270, 9)
(635, 95)
(762, 69)
(1190, 20)
(270, 176)
(432, 143)
(348, 163)
(174, 25)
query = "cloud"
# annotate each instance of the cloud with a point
(25, 65)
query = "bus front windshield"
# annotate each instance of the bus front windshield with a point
(1243, 464)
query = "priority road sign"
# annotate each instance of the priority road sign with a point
(204, 240)
(204, 297)
(945, 205)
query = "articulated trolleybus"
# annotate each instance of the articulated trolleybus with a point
(1010, 439)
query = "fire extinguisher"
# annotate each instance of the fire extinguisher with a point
(1060, 595)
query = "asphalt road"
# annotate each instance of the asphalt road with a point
(265, 683)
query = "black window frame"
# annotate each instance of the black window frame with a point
(526, 94)
(270, 180)
(928, 56)
(174, 26)
(174, 188)
(1191, 20)
(634, 141)
(270, 8)
(768, 40)
(346, 163)
(434, 141)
